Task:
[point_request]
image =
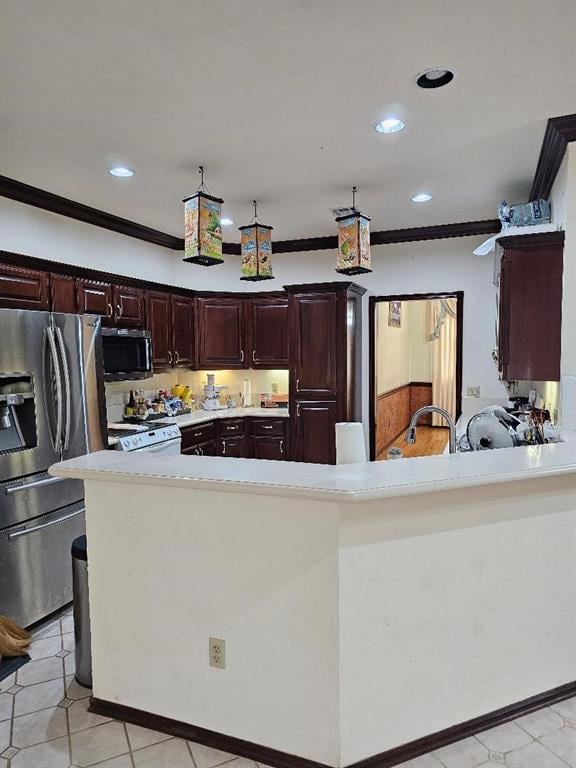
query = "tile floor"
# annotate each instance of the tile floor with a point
(45, 723)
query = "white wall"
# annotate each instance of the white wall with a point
(256, 571)
(392, 349)
(429, 266)
(563, 198)
(402, 354)
(558, 194)
(445, 615)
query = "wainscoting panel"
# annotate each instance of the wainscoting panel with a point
(395, 408)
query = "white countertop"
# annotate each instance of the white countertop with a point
(201, 417)
(343, 483)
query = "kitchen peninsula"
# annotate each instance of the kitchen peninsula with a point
(332, 588)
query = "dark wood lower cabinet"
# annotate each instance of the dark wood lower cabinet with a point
(313, 431)
(209, 448)
(269, 448)
(233, 446)
(245, 438)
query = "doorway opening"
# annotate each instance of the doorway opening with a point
(415, 360)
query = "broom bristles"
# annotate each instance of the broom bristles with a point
(14, 641)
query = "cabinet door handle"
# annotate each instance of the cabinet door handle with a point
(169, 357)
(297, 385)
(119, 309)
(253, 355)
(298, 410)
(241, 355)
(223, 448)
(282, 446)
(231, 429)
(201, 451)
(110, 310)
(176, 357)
(199, 433)
(267, 426)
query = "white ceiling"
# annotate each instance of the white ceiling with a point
(278, 98)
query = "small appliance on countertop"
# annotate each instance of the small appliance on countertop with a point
(212, 394)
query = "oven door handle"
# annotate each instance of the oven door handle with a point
(26, 531)
(160, 446)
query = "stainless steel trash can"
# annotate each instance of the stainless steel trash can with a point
(81, 612)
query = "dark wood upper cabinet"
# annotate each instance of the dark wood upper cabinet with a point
(530, 307)
(220, 333)
(314, 431)
(129, 307)
(183, 331)
(95, 298)
(325, 329)
(268, 324)
(23, 288)
(314, 335)
(63, 294)
(159, 323)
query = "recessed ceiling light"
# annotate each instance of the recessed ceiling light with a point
(423, 197)
(434, 78)
(121, 173)
(390, 125)
(226, 222)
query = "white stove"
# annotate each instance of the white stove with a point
(163, 438)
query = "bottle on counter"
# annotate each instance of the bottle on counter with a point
(130, 407)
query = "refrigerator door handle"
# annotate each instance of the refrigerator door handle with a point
(26, 531)
(67, 388)
(57, 438)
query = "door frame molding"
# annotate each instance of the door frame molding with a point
(373, 301)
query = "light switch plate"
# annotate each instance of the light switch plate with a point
(473, 391)
(217, 650)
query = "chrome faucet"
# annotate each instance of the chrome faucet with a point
(411, 433)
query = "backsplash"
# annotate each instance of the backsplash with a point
(261, 381)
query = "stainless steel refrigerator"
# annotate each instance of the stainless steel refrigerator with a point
(52, 407)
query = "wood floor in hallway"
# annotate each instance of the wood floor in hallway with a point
(429, 441)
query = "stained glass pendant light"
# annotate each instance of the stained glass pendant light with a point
(353, 242)
(202, 227)
(256, 250)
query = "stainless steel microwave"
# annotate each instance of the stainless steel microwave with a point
(127, 354)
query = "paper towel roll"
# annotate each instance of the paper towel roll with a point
(350, 445)
(247, 394)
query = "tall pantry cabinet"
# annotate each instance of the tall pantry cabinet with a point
(325, 333)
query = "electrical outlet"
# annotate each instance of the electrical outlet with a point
(217, 649)
(473, 391)
(274, 387)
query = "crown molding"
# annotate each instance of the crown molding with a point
(559, 132)
(24, 193)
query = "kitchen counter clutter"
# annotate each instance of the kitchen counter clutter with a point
(328, 609)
